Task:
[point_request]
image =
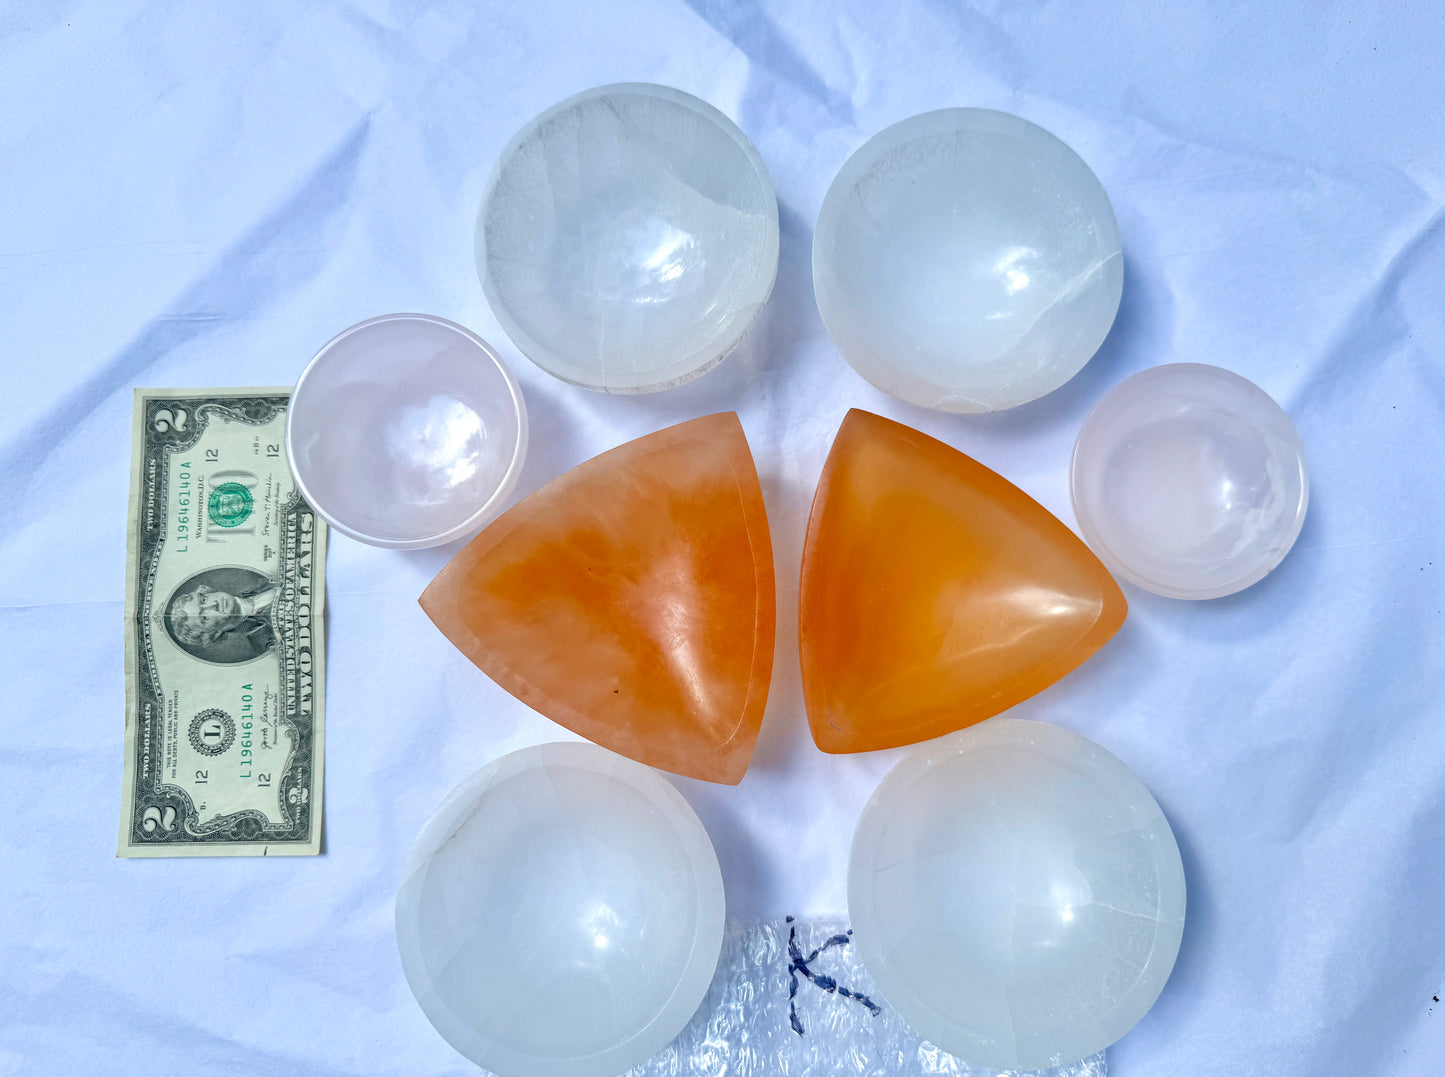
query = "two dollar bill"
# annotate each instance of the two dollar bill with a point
(224, 632)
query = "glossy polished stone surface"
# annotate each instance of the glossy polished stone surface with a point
(935, 593)
(631, 600)
(406, 431)
(967, 260)
(561, 915)
(628, 238)
(1189, 481)
(1017, 894)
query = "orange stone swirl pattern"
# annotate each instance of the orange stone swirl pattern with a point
(934, 592)
(631, 600)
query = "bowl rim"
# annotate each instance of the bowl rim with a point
(697, 973)
(699, 362)
(1122, 567)
(487, 509)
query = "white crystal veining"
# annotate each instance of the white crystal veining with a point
(1016, 894)
(967, 260)
(562, 914)
(628, 238)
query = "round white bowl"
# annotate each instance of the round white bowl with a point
(628, 238)
(406, 431)
(967, 260)
(1016, 894)
(1189, 481)
(562, 914)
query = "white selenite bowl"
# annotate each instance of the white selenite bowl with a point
(1189, 481)
(628, 238)
(406, 431)
(967, 260)
(1016, 894)
(562, 914)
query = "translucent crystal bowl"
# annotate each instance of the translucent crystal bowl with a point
(406, 431)
(628, 238)
(967, 260)
(562, 914)
(1189, 481)
(1016, 894)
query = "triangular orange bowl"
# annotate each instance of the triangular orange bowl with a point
(631, 600)
(934, 593)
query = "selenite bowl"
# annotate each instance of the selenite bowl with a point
(967, 260)
(1189, 481)
(562, 914)
(1016, 894)
(406, 431)
(628, 238)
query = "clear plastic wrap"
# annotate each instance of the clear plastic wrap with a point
(791, 998)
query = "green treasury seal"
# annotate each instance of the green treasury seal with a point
(229, 504)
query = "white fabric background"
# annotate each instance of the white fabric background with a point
(202, 194)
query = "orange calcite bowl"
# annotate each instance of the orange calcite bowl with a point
(934, 592)
(631, 600)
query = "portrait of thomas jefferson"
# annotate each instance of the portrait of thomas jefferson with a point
(222, 615)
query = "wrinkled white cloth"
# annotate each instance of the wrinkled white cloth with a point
(203, 194)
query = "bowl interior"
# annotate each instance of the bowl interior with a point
(628, 238)
(1189, 481)
(561, 914)
(405, 429)
(1017, 894)
(967, 260)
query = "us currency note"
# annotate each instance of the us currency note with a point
(224, 632)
